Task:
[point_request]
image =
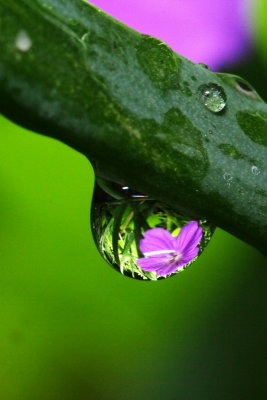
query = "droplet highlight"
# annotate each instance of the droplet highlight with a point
(23, 41)
(213, 97)
(142, 238)
(227, 177)
(255, 170)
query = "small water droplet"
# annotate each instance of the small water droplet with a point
(213, 97)
(227, 177)
(255, 170)
(204, 65)
(121, 217)
(23, 41)
(240, 84)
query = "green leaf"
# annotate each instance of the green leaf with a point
(116, 230)
(132, 106)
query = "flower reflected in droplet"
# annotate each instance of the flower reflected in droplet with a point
(164, 253)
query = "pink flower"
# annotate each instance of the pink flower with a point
(165, 253)
(207, 31)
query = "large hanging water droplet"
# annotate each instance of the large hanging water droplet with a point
(213, 97)
(138, 236)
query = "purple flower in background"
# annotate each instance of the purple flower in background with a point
(207, 31)
(164, 253)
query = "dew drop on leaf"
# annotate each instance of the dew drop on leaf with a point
(23, 41)
(204, 65)
(122, 217)
(255, 170)
(227, 177)
(213, 97)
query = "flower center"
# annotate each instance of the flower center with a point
(174, 258)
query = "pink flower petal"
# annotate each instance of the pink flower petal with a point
(195, 240)
(169, 269)
(152, 263)
(189, 236)
(157, 239)
(213, 32)
(189, 256)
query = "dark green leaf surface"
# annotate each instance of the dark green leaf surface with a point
(132, 106)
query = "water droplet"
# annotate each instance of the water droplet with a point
(246, 88)
(240, 84)
(23, 41)
(255, 170)
(227, 177)
(213, 97)
(204, 65)
(120, 219)
(243, 86)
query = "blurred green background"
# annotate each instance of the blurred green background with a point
(73, 328)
